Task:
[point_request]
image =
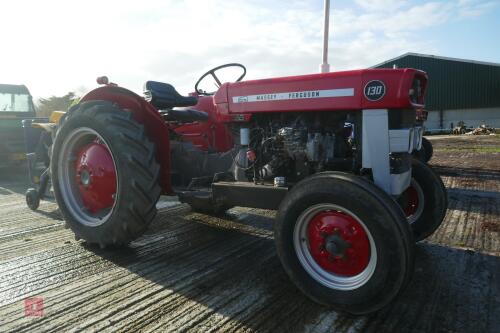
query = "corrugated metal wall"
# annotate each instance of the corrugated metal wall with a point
(471, 118)
(455, 84)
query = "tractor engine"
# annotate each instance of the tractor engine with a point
(293, 146)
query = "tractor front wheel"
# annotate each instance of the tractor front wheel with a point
(425, 201)
(428, 150)
(344, 242)
(105, 174)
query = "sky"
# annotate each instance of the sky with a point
(55, 46)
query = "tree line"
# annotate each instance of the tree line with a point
(45, 106)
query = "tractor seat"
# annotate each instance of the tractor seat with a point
(164, 96)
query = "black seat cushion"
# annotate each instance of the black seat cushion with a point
(164, 96)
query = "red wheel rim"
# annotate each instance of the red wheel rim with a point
(95, 176)
(338, 243)
(334, 246)
(412, 201)
(86, 177)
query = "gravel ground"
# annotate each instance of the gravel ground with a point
(191, 272)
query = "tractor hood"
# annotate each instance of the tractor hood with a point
(348, 90)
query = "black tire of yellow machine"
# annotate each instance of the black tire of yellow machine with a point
(32, 199)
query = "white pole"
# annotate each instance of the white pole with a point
(325, 67)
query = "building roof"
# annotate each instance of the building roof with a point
(454, 83)
(421, 55)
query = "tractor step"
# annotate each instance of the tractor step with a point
(248, 194)
(230, 194)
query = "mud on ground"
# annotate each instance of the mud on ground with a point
(195, 273)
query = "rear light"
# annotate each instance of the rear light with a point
(102, 80)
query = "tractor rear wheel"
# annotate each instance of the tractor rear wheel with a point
(425, 202)
(344, 242)
(105, 174)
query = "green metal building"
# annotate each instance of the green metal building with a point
(458, 89)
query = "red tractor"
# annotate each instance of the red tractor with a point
(331, 152)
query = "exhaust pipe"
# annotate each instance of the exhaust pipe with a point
(325, 67)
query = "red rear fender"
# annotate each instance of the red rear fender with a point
(146, 114)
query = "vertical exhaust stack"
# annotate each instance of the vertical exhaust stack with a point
(325, 66)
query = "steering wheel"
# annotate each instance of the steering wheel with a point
(218, 82)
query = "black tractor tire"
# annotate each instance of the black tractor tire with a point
(32, 199)
(425, 152)
(137, 173)
(427, 149)
(419, 154)
(383, 219)
(435, 201)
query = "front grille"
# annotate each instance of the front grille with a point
(401, 118)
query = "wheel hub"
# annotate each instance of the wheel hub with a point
(95, 177)
(85, 177)
(336, 246)
(338, 243)
(412, 201)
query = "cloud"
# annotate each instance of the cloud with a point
(61, 46)
(474, 8)
(381, 5)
